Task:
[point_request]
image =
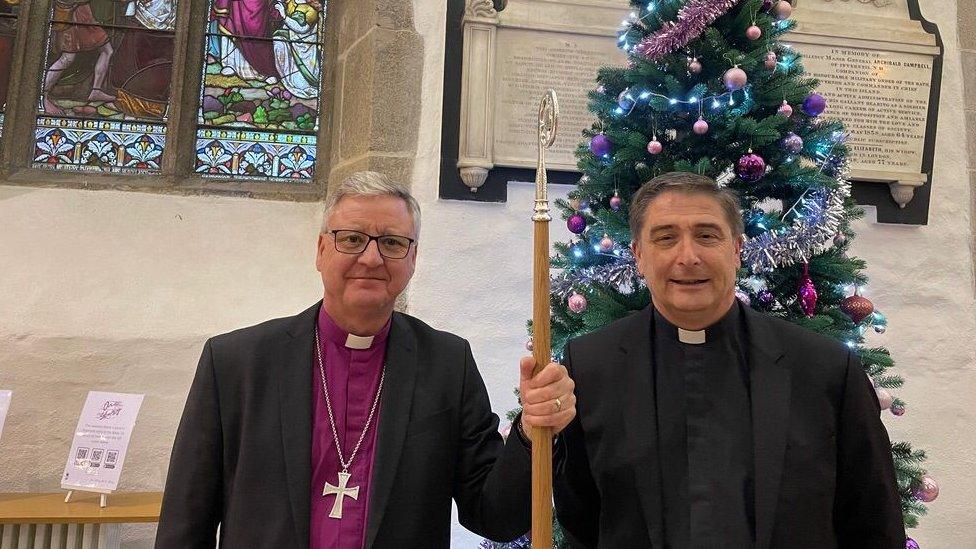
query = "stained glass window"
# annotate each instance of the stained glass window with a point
(259, 107)
(105, 88)
(9, 9)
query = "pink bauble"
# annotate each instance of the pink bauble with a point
(929, 490)
(735, 79)
(783, 10)
(753, 32)
(884, 398)
(601, 89)
(785, 109)
(700, 127)
(528, 345)
(654, 146)
(694, 66)
(577, 303)
(898, 409)
(606, 244)
(615, 203)
(771, 60)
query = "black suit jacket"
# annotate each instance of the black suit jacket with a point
(823, 469)
(242, 456)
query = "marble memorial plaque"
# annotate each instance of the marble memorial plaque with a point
(883, 99)
(529, 63)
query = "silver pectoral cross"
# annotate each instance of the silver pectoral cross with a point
(340, 492)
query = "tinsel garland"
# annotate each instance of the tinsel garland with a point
(817, 221)
(816, 224)
(621, 274)
(693, 18)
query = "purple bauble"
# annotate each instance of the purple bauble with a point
(898, 409)
(601, 89)
(771, 60)
(606, 244)
(528, 345)
(600, 145)
(615, 202)
(750, 167)
(753, 32)
(814, 104)
(654, 146)
(793, 143)
(766, 297)
(785, 109)
(576, 224)
(577, 303)
(911, 544)
(929, 490)
(700, 127)
(783, 10)
(884, 397)
(735, 79)
(766, 5)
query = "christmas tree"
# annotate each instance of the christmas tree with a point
(710, 88)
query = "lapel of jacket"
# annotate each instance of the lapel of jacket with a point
(295, 401)
(395, 404)
(769, 368)
(640, 412)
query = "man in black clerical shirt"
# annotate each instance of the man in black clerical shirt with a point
(702, 423)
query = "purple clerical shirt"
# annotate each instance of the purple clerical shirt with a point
(353, 376)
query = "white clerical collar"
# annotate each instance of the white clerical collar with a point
(354, 341)
(693, 337)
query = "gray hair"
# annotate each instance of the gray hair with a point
(372, 184)
(686, 183)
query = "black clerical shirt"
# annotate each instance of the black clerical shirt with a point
(705, 434)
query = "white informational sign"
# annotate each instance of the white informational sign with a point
(100, 442)
(4, 407)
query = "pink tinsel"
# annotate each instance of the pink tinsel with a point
(693, 18)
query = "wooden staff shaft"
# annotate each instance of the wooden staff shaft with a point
(541, 344)
(541, 437)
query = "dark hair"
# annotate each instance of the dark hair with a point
(687, 183)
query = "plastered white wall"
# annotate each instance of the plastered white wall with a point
(118, 290)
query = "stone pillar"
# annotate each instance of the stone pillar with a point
(379, 74)
(966, 24)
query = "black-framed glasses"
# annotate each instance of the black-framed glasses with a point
(390, 246)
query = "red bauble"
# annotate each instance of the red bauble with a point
(857, 307)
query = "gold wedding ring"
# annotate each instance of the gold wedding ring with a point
(559, 405)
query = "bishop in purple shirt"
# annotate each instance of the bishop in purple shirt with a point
(351, 425)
